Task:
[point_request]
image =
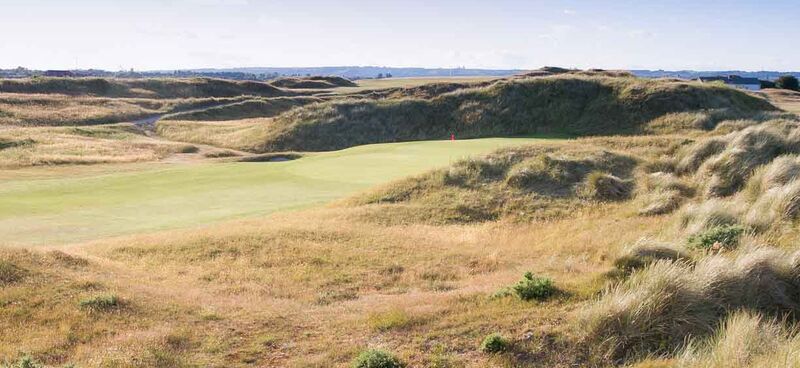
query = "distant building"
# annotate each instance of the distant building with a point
(750, 84)
(58, 73)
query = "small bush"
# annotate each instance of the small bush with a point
(375, 358)
(100, 303)
(533, 287)
(726, 235)
(494, 343)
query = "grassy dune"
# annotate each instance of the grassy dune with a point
(251, 108)
(571, 104)
(82, 145)
(141, 88)
(62, 110)
(165, 196)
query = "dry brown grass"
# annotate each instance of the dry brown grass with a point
(117, 143)
(32, 110)
(283, 291)
(62, 110)
(245, 134)
(785, 99)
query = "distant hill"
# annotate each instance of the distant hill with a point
(360, 72)
(694, 74)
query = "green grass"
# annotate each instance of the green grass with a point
(73, 209)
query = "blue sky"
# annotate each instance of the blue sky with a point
(170, 34)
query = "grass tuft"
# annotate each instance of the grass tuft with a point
(375, 358)
(494, 343)
(606, 187)
(101, 303)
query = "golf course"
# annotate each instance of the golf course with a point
(165, 196)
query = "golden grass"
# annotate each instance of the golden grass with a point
(377, 84)
(118, 143)
(313, 289)
(245, 134)
(785, 99)
(22, 109)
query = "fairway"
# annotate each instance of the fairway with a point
(168, 196)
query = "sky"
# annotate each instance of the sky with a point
(183, 34)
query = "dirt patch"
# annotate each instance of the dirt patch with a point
(272, 157)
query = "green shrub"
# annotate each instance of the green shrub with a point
(375, 358)
(100, 303)
(494, 343)
(534, 287)
(726, 235)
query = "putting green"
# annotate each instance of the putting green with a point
(65, 210)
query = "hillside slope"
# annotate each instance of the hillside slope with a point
(315, 82)
(569, 104)
(142, 88)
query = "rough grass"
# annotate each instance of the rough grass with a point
(63, 110)
(314, 82)
(251, 108)
(542, 182)
(646, 252)
(746, 339)
(241, 135)
(660, 193)
(657, 309)
(49, 146)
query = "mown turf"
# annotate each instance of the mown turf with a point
(65, 210)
